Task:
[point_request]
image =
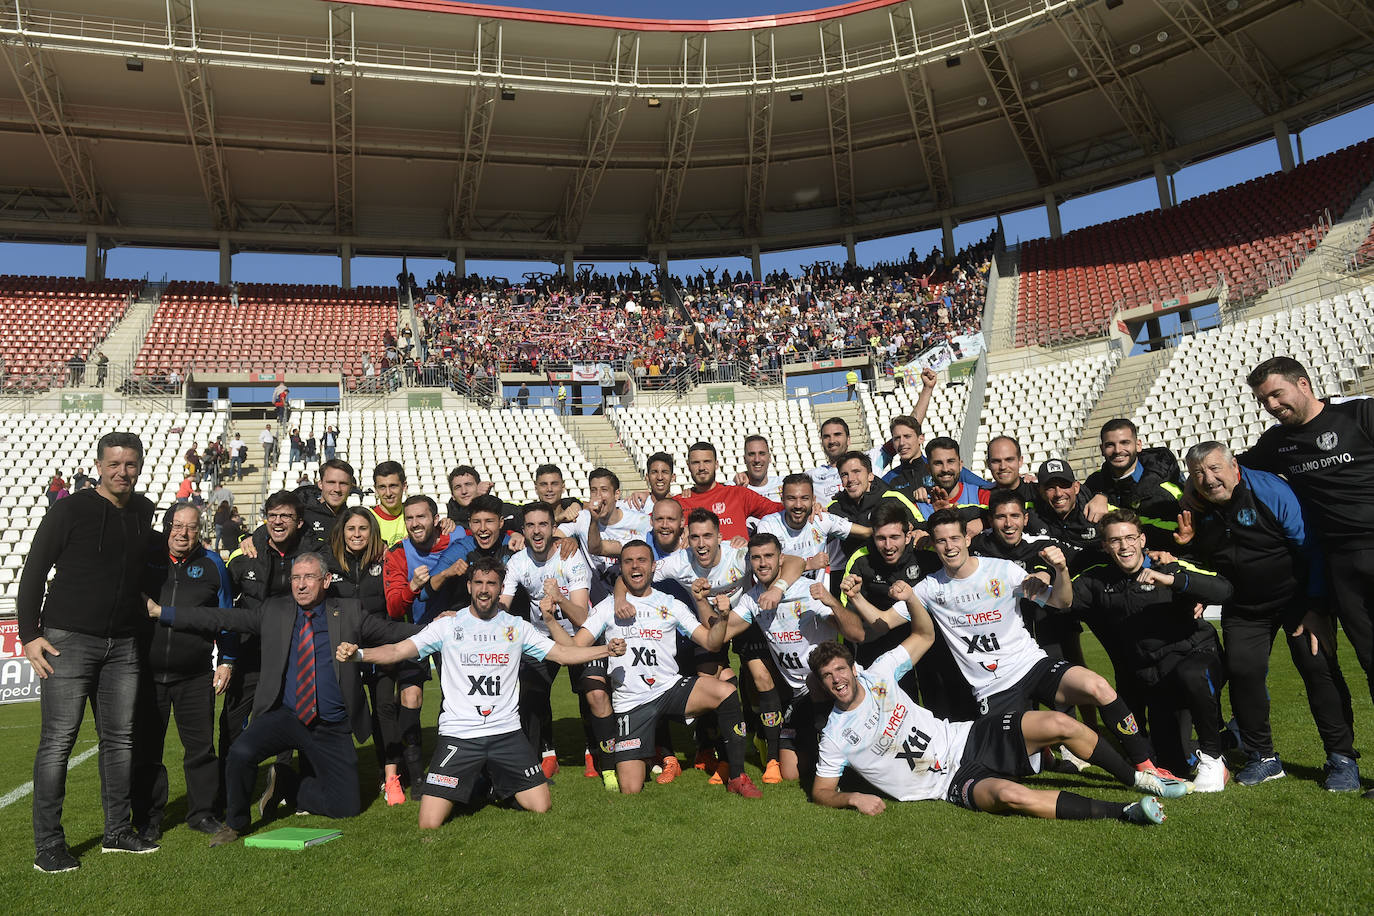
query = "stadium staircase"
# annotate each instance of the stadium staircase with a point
(123, 344)
(1002, 333)
(601, 445)
(1125, 391)
(852, 413)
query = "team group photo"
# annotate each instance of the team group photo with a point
(864, 458)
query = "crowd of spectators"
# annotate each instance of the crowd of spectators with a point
(474, 328)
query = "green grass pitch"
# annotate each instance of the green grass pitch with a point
(1285, 847)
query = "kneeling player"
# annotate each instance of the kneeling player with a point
(646, 686)
(479, 725)
(908, 753)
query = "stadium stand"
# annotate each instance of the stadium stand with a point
(44, 321)
(1070, 286)
(272, 327)
(789, 426)
(945, 416)
(37, 445)
(506, 446)
(1044, 408)
(1202, 394)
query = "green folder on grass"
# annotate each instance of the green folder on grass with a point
(292, 838)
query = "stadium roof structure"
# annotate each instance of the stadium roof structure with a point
(454, 129)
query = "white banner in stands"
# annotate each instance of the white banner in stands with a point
(937, 358)
(18, 682)
(967, 345)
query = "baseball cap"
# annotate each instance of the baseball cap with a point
(1055, 469)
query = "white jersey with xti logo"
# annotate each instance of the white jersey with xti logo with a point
(817, 535)
(481, 670)
(632, 526)
(570, 574)
(796, 626)
(649, 665)
(728, 577)
(898, 746)
(980, 619)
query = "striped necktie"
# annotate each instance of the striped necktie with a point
(305, 670)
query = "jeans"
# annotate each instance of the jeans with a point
(329, 453)
(104, 671)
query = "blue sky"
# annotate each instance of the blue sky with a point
(1195, 180)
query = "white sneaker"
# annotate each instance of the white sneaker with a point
(1211, 775)
(1079, 763)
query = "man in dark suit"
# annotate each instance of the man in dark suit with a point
(305, 700)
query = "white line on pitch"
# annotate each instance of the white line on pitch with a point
(26, 788)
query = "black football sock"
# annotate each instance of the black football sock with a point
(770, 721)
(663, 739)
(409, 721)
(732, 732)
(603, 734)
(1106, 757)
(1071, 807)
(1119, 718)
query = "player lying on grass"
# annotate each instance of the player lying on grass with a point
(906, 752)
(479, 725)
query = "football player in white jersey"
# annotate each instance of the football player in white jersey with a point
(802, 621)
(479, 725)
(563, 582)
(758, 461)
(646, 682)
(903, 750)
(613, 522)
(815, 537)
(975, 604)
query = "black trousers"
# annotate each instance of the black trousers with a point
(1187, 699)
(328, 782)
(1249, 642)
(1350, 577)
(233, 715)
(192, 701)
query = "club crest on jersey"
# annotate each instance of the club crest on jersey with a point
(771, 719)
(663, 611)
(1127, 725)
(718, 508)
(195, 572)
(851, 736)
(879, 691)
(458, 634)
(1327, 440)
(509, 634)
(913, 572)
(995, 588)
(738, 729)
(375, 569)
(1246, 517)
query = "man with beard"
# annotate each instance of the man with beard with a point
(1144, 480)
(420, 576)
(1325, 446)
(733, 506)
(949, 489)
(647, 685)
(479, 726)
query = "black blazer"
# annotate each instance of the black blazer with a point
(273, 622)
